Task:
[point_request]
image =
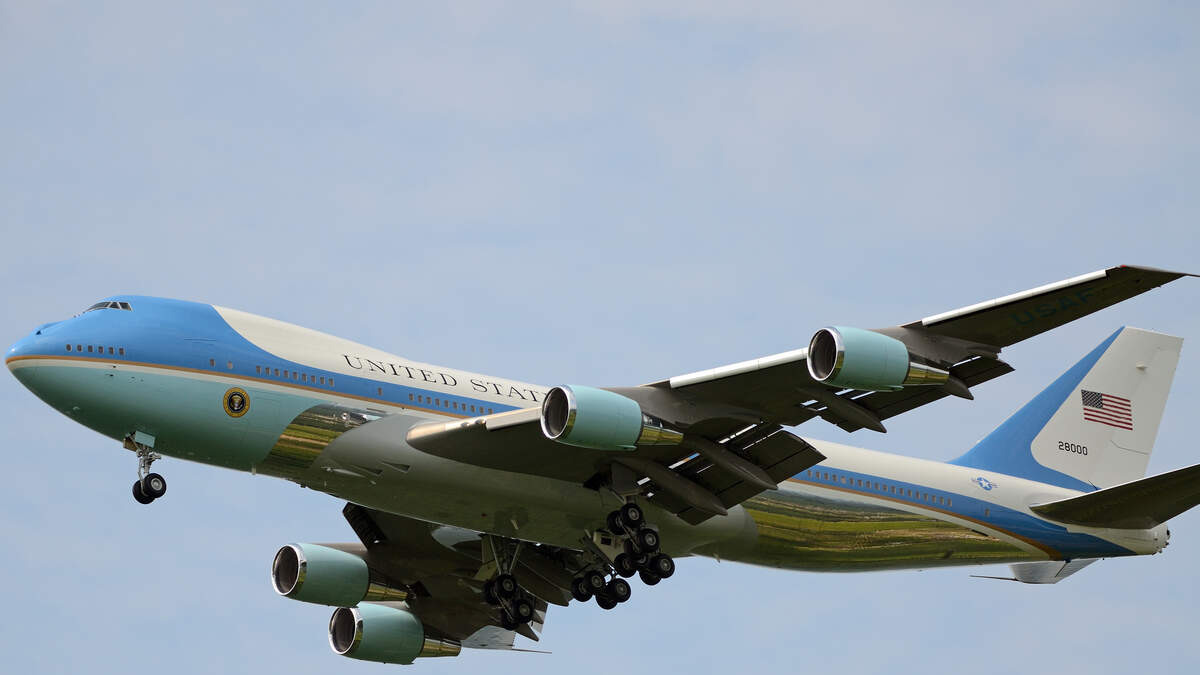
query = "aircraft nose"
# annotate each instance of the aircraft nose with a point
(23, 348)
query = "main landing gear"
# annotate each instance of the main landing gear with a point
(517, 606)
(149, 486)
(639, 555)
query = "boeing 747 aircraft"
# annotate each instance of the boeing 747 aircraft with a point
(479, 501)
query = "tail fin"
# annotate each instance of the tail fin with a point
(1094, 427)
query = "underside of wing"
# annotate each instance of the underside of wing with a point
(441, 567)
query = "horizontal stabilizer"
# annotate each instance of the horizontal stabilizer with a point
(1141, 504)
(1043, 572)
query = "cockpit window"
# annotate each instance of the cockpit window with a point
(109, 304)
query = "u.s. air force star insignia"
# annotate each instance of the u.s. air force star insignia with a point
(236, 402)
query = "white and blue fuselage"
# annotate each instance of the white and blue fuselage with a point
(163, 370)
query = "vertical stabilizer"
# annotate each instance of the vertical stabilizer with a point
(1094, 427)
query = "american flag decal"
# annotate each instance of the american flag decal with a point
(1107, 409)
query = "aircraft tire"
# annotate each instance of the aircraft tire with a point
(522, 610)
(154, 485)
(662, 565)
(625, 564)
(579, 589)
(631, 515)
(138, 495)
(506, 586)
(619, 590)
(647, 540)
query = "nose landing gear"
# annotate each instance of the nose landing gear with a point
(149, 486)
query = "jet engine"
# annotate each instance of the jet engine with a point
(588, 417)
(854, 358)
(384, 635)
(327, 576)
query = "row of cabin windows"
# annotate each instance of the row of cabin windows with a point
(447, 404)
(97, 349)
(294, 375)
(881, 487)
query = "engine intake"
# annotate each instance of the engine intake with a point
(588, 417)
(327, 576)
(384, 635)
(854, 358)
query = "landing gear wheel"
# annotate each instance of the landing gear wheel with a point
(631, 515)
(489, 593)
(138, 495)
(522, 610)
(661, 565)
(579, 589)
(605, 602)
(619, 590)
(154, 486)
(646, 540)
(649, 578)
(613, 521)
(594, 581)
(625, 564)
(506, 586)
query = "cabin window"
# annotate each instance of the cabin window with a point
(229, 365)
(276, 372)
(295, 375)
(454, 405)
(472, 408)
(258, 370)
(110, 350)
(379, 391)
(212, 363)
(99, 349)
(89, 349)
(410, 397)
(322, 379)
(121, 351)
(489, 411)
(304, 377)
(68, 347)
(331, 381)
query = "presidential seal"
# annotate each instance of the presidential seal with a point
(236, 402)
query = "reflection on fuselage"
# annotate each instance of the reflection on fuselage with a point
(799, 529)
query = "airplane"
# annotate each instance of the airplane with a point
(479, 501)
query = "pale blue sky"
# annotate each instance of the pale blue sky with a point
(584, 192)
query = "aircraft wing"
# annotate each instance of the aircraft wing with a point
(731, 417)
(441, 565)
(967, 340)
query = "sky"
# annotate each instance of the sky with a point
(599, 192)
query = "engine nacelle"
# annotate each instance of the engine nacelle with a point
(384, 635)
(327, 576)
(854, 358)
(588, 417)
